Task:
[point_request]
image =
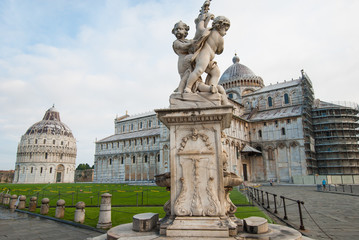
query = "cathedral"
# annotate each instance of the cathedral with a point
(46, 152)
(279, 132)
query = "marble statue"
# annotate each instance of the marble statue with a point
(195, 56)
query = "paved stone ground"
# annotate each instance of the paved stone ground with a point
(336, 214)
(21, 226)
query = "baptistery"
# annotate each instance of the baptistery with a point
(46, 152)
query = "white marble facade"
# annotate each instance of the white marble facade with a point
(46, 152)
(270, 137)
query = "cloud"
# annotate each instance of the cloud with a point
(97, 59)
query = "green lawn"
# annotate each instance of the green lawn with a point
(122, 194)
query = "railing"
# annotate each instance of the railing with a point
(257, 195)
(340, 188)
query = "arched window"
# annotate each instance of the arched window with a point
(62, 142)
(150, 123)
(131, 127)
(286, 98)
(158, 158)
(237, 152)
(44, 141)
(140, 125)
(133, 159)
(121, 160)
(30, 155)
(53, 142)
(32, 169)
(123, 128)
(46, 155)
(41, 170)
(23, 170)
(260, 133)
(270, 102)
(50, 169)
(145, 158)
(35, 141)
(154, 140)
(110, 161)
(283, 131)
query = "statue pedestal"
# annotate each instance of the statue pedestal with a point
(198, 205)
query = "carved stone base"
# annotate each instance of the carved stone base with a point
(197, 227)
(195, 100)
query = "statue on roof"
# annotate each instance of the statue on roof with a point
(195, 56)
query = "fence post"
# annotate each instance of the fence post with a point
(37, 200)
(137, 199)
(285, 209)
(262, 198)
(98, 199)
(275, 203)
(142, 198)
(267, 200)
(300, 215)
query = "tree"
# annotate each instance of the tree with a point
(83, 166)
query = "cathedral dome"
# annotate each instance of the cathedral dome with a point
(46, 152)
(51, 124)
(240, 75)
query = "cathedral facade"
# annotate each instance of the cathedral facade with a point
(278, 132)
(46, 152)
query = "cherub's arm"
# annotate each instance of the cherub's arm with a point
(182, 46)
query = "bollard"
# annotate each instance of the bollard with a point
(60, 208)
(13, 201)
(22, 203)
(104, 219)
(275, 203)
(285, 209)
(44, 210)
(33, 204)
(80, 212)
(6, 199)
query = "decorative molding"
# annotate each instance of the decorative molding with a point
(195, 136)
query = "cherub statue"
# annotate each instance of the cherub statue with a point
(181, 46)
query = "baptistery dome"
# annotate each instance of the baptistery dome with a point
(239, 80)
(46, 152)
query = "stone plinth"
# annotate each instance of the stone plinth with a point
(256, 225)
(33, 204)
(80, 212)
(144, 222)
(198, 200)
(22, 202)
(44, 206)
(60, 208)
(104, 219)
(12, 204)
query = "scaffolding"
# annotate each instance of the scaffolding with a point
(336, 130)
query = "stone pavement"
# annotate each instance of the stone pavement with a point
(336, 214)
(19, 226)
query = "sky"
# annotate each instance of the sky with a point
(97, 59)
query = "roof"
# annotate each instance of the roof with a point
(141, 115)
(249, 149)
(50, 124)
(138, 134)
(277, 86)
(275, 113)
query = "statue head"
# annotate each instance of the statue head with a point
(180, 30)
(221, 24)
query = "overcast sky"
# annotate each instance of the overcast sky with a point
(96, 59)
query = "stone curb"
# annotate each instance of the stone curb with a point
(63, 221)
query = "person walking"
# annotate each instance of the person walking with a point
(324, 183)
